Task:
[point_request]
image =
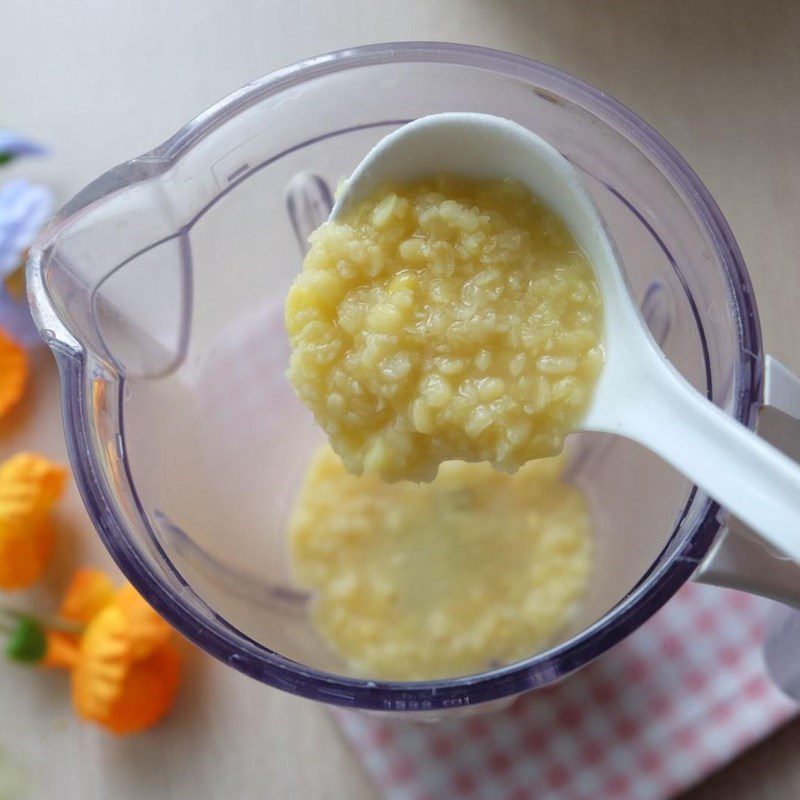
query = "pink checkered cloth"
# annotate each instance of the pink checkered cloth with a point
(679, 698)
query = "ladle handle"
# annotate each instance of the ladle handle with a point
(757, 483)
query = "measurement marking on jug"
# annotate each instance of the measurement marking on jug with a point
(237, 172)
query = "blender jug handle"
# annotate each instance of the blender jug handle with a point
(738, 558)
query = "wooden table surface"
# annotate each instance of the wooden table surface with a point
(101, 82)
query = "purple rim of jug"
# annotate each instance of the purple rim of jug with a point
(215, 635)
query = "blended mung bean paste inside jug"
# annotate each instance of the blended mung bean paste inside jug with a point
(445, 319)
(414, 581)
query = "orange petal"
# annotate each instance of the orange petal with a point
(13, 372)
(146, 630)
(62, 650)
(104, 661)
(29, 485)
(89, 592)
(25, 549)
(147, 693)
(15, 281)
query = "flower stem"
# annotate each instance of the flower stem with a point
(46, 621)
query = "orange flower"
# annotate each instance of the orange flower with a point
(89, 593)
(15, 281)
(124, 664)
(29, 486)
(13, 372)
(61, 650)
(125, 672)
(147, 692)
(104, 661)
(24, 552)
(146, 631)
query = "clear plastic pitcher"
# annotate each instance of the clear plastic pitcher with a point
(160, 289)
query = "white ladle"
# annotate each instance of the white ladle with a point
(639, 394)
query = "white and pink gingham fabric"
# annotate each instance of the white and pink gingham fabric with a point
(680, 697)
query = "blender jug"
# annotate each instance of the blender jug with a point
(160, 289)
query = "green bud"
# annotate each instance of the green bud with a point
(27, 641)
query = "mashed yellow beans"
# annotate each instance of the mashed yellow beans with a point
(414, 581)
(445, 319)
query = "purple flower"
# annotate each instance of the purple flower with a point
(24, 207)
(12, 145)
(15, 318)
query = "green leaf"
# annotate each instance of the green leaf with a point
(5, 158)
(26, 641)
